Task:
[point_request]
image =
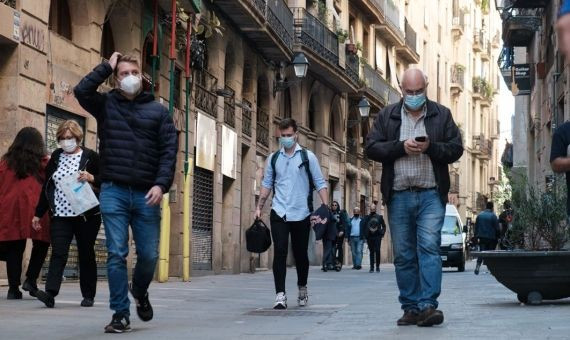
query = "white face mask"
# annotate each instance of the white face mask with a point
(131, 84)
(68, 145)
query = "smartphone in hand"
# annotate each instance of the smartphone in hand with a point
(421, 139)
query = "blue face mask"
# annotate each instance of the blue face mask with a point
(415, 102)
(287, 142)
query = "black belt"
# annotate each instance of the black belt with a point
(416, 189)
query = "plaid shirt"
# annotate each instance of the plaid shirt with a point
(417, 170)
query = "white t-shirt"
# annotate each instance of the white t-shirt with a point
(68, 164)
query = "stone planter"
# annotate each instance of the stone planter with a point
(532, 275)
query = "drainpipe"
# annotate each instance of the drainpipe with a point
(165, 220)
(554, 124)
(154, 45)
(187, 231)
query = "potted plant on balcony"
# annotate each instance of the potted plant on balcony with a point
(477, 84)
(535, 266)
(342, 35)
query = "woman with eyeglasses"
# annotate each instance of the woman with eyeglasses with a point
(70, 159)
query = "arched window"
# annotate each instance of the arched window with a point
(107, 40)
(60, 18)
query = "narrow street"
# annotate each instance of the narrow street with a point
(346, 305)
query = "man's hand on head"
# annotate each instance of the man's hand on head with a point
(113, 60)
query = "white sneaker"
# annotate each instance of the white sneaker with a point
(280, 301)
(303, 298)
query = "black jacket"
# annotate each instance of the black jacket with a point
(381, 230)
(138, 140)
(383, 144)
(89, 162)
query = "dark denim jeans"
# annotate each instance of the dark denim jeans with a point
(415, 220)
(122, 206)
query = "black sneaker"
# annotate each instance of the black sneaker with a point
(14, 294)
(30, 287)
(144, 309)
(87, 302)
(119, 324)
(46, 298)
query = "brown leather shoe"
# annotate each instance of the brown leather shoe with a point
(430, 317)
(408, 319)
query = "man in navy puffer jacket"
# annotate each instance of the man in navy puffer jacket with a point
(138, 146)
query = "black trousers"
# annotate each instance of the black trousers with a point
(328, 260)
(486, 244)
(339, 250)
(62, 231)
(374, 248)
(14, 256)
(280, 230)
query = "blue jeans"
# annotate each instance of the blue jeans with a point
(415, 220)
(356, 246)
(122, 206)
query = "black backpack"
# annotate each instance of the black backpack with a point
(258, 237)
(375, 226)
(305, 163)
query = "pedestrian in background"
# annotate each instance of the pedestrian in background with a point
(375, 228)
(487, 232)
(289, 173)
(22, 173)
(329, 239)
(138, 159)
(340, 216)
(70, 159)
(356, 236)
(416, 139)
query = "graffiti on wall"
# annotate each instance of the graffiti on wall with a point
(33, 36)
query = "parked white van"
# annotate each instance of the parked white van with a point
(453, 248)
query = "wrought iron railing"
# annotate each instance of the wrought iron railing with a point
(260, 5)
(351, 158)
(379, 4)
(392, 14)
(206, 98)
(246, 118)
(353, 67)
(458, 75)
(365, 163)
(411, 36)
(314, 34)
(280, 19)
(376, 83)
(11, 3)
(229, 108)
(262, 127)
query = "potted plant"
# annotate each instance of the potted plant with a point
(351, 48)
(536, 266)
(342, 35)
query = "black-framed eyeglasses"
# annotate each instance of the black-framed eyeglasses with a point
(414, 93)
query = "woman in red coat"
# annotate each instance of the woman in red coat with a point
(21, 179)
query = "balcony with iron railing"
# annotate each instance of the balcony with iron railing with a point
(501, 4)
(230, 108)
(378, 86)
(458, 24)
(373, 8)
(353, 67)
(262, 127)
(478, 39)
(246, 117)
(520, 25)
(391, 30)
(314, 35)
(482, 147)
(269, 24)
(457, 79)
(408, 51)
(206, 98)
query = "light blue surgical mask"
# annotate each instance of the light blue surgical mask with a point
(415, 102)
(287, 142)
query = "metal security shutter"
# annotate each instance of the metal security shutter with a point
(202, 219)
